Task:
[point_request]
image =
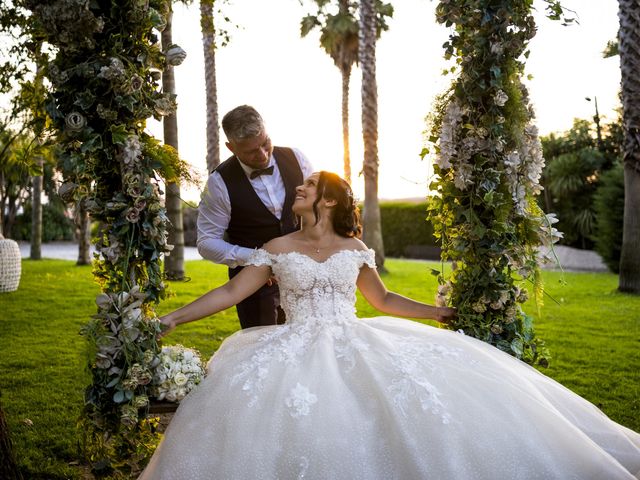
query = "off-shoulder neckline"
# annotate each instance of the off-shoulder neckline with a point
(320, 262)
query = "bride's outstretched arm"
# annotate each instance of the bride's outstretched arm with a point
(248, 281)
(379, 297)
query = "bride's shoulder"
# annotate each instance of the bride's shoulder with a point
(354, 243)
(363, 254)
(278, 245)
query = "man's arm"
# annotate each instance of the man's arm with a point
(214, 213)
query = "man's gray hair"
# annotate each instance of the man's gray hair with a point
(242, 122)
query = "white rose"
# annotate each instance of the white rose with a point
(180, 379)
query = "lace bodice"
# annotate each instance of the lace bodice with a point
(312, 291)
(319, 301)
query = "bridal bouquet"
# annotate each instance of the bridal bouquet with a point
(180, 369)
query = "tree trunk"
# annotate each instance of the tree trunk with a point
(371, 226)
(8, 468)
(346, 76)
(12, 211)
(630, 254)
(3, 202)
(211, 91)
(629, 48)
(83, 225)
(36, 213)
(173, 263)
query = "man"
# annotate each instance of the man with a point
(247, 202)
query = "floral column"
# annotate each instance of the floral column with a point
(104, 86)
(488, 162)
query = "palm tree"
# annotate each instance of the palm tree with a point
(209, 49)
(174, 263)
(629, 49)
(339, 39)
(371, 226)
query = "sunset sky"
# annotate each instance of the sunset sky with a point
(297, 89)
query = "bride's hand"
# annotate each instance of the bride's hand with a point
(166, 325)
(445, 314)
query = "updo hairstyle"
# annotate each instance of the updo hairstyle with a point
(346, 215)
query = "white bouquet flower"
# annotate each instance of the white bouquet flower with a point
(178, 372)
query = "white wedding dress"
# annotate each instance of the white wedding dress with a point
(328, 396)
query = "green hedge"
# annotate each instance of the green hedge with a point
(56, 225)
(406, 231)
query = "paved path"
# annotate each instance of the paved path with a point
(69, 251)
(571, 259)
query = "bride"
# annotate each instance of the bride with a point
(331, 396)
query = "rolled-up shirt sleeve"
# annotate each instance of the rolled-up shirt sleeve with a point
(214, 214)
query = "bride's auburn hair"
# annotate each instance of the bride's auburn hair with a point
(346, 215)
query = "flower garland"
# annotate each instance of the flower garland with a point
(104, 86)
(488, 162)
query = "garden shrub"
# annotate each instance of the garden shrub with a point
(405, 229)
(609, 209)
(56, 224)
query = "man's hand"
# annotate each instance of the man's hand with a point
(272, 281)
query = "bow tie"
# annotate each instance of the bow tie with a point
(261, 171)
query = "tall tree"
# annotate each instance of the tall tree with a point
(173, 262)
(629, 50)
(339, 39)
(371, 225)
(38, 122)
(211, 89)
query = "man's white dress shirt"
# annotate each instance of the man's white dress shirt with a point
(214, 212)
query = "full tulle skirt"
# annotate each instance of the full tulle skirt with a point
(384, 398)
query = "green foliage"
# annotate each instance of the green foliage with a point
(609, 210)
(405, 225)
(42, 380)
(572, 179)
(56, 225)
(339, 28)
(575, 164)
(612, 49)
(18, 162)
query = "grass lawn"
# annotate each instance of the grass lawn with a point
(593, 334)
